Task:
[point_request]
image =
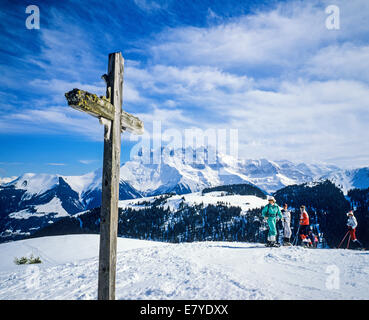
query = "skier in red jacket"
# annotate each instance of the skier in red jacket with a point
(352, 225)
(304, 224)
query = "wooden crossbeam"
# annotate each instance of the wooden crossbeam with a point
(90, 103)
(131, 123)
(100, 107)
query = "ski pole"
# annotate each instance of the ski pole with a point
(348, 242)
(343, 239)
(297, 233)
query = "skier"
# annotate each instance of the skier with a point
(286, 220)
(313, 240)
(304, 224)
(271, 213)
(352, 225)
(305, 241)
(316, 241)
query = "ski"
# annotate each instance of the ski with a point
(275, 245)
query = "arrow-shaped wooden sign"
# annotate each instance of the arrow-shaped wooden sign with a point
(100, 107)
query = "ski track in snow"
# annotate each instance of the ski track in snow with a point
(202, 270)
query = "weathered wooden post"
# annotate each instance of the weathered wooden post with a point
(110, 181)
(109, 111)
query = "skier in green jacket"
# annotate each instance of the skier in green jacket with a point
(270, 213)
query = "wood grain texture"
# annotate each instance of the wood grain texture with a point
(131, 123)
(110, 183)
(100, 107)
(90, 103)
(109, 111)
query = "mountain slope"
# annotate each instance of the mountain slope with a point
(211, 215)
(350, 179)
(174, 202)
(33, 201)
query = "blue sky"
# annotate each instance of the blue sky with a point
(271, 69)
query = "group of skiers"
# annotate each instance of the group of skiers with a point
(272, 213)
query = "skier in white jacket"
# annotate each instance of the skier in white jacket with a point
(286, 220)
(352, 225)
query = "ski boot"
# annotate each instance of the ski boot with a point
(274, 244)
(286, 242)
(358, 245)
(304, 243)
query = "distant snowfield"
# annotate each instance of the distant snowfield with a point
(202, 270)
(54, 206)
(212, 198)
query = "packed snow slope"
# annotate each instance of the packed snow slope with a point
(207, 270)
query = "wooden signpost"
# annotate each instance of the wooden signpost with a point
(109, 111)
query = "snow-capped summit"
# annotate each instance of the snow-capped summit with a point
(349, 179)
(187, 170)
(80, 184)
(5, 180)
(34, 184)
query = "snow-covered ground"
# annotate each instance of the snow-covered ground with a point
(55, 205)
(207, 270)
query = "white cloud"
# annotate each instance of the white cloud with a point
(293, 88)
(305, 121)
(346, 61)
(169, 118)
(59, 120)
(147, 5)
(276, 41)
(57, 88)
(272, 38)
(66, 50)
(161, 79)
(87, 161)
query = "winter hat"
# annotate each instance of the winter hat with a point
(270, 198)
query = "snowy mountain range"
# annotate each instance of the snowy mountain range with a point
(349, 179)
(31, 197)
